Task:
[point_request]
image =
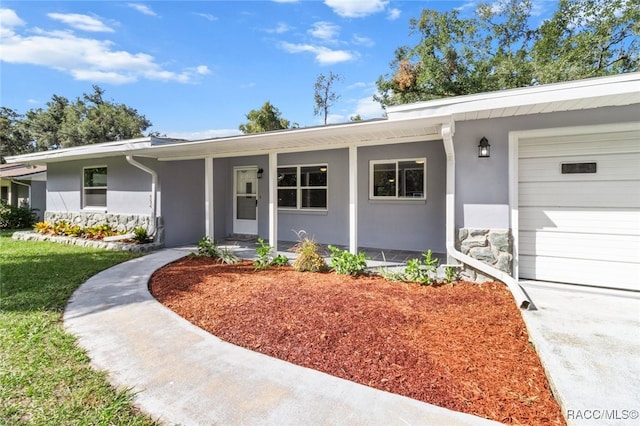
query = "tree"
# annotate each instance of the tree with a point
(496, 49)
(88, 120)
(588, 38)
(264, 119)
(14, 139)
(323, 96)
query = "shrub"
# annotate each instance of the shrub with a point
(98, 232)
(451, 273)
(265, 256)
(12, 217)
(209, 248)
(308, 260)
(141, 236)
(346, 263)
(421, 271)
(43, 228)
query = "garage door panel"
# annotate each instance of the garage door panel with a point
(583, 144)
(614, 221)
(611, 248)
(608, 167)
(624, 194)
(589, 272)
(581, 228)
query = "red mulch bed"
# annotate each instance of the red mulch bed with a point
(461, 346)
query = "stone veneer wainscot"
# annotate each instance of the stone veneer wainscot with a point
(491, 246)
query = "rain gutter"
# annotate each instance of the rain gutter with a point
(522, 300)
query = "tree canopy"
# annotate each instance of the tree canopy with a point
(264, 119)
(87, 120)
(497, 49)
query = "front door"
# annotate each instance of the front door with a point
(245, 200)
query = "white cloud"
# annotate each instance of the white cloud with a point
(86, 58)
(208, 16)
(33, 101)
(281, 28)
(9, 19)
(203, 134)
(323, 55)
(356, 8)
(81, 22)
(393, 14)
(467, 5)
(357, 85)
(368, 108)
(363, 41)
(324, 31)
(144, 9)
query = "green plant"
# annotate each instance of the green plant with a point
(228, 256)
(309, 259)
(389, 274)
(97, 232)
(265, 256)
(451, 273)
(208, 247)
(141, 236)
(280, 260)
(421, 271)
(346, 263)
(15, 217)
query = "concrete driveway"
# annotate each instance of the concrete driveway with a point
(589, 341)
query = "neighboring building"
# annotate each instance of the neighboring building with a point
(556, 198)
(23, 185)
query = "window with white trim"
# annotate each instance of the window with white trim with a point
(404, 179)
(302, 187)
(94, 187)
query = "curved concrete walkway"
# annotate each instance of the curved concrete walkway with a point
(183, 375)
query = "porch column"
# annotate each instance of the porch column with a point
(273, 200)
(208, 198)
(353, 199)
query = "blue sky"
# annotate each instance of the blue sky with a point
(195, 68)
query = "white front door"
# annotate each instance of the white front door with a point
(245, 200)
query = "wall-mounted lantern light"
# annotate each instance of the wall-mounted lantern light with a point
(260, 172)
(484, 149)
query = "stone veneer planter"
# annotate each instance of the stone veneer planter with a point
(120, 222)
(491, 246)
(83, 242)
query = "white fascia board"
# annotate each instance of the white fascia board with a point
(623, 89)
(104, 149)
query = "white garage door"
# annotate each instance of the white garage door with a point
(579, 208)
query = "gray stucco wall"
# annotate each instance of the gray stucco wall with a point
(482, 184)
(182, 200)
(328, 227)
(181, 183)
(128, 188)
(39, 197)
(408, 225)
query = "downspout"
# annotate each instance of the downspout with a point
(154, 193)
(23, 184)
(519, 295)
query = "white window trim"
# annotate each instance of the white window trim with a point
(299, 189)
(94, 208)
(397, 198)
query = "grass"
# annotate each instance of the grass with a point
(45, 378)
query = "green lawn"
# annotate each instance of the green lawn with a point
(45, 378)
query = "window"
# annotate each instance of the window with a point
(398, 179)
(302, 187)
(94, 187)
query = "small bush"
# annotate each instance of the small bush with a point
(422, 271)
(43, 228)
(209, 248)
(308, 260)
(98, 232)
(346, 263)
(12, 217)
(141, 236)
(451, 274)
(265, 256)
